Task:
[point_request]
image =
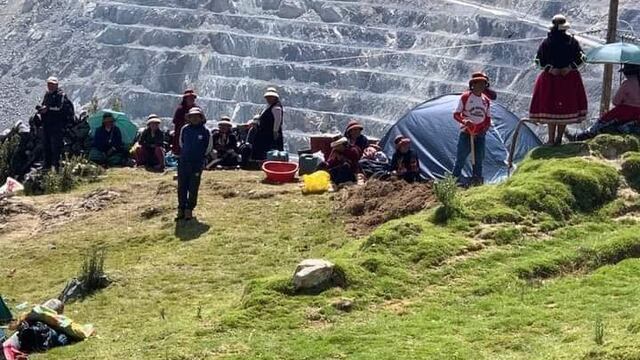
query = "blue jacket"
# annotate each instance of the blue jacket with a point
(104, 140)
(195, 144)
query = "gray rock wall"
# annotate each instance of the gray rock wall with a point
(331, 60)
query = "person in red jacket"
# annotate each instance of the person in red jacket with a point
(474, 114)
(180, 117)
(343, 162)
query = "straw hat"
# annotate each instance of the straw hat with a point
(153, 118)
(196, 111)
(353, 124)
(342, 141)
(189, 92)
(53, 80)
(225, 121)
(401, 140)
(272, 92)
(561, 22)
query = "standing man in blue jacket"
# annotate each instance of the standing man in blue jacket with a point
(195, 144)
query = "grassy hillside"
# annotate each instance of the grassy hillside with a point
(530, 269)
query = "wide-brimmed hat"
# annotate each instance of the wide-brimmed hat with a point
(196, 111)
(108, 115)
(478, 76)
(629, 69)
(53, 80)
(153, 118)
(225, 121)
(560, 21)
(342, 141)
(272, 92)
(189, 92)
(353, 124)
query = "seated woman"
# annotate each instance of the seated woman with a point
(404, 163)
(225, 146)
(342, 164)
(625, 116)
(246, 148)
(374, 162)
(353, 133)
(150, 154)
(107, 148)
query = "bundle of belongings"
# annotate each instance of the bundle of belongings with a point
(43, 328)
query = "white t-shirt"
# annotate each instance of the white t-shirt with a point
(477, 108)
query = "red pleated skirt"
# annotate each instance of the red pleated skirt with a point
(558, 98)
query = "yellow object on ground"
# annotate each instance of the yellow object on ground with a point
(61, 323)
(316, 183)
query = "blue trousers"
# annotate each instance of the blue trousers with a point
(189, 176)
(464, 150)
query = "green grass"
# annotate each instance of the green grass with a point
(631, 169)
(526, 271)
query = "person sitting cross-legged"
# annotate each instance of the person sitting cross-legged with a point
(404, 162)
(342, 164)
(150, 153)
(107, 148)
(625, 116)
(225, 146)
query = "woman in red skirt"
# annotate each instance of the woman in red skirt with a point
(559, 97)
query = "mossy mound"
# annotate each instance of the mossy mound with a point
(631, 169)
(612, 146)
(551, 189)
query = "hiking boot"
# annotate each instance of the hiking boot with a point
(180, 215)
(477, 181)
(188, 215)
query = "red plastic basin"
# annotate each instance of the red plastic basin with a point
(280, 171)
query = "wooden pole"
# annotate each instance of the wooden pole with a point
(607, 78)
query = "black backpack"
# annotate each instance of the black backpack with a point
(35, 337)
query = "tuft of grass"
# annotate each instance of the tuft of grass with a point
(631, 169)
(613, 146)
(599, 332)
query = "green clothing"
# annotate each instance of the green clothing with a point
(101, 158)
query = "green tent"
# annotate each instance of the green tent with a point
(128, 129)
(5, 314)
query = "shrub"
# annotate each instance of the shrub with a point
(631, 169)
(8, 149)
(92, 275)
(612, 146)
(446, 191)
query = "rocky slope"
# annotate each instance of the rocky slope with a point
(332, 60)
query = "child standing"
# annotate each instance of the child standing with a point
(474, 113)
(195, 144)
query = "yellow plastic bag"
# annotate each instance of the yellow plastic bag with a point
(316, 183)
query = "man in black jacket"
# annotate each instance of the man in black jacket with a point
(56, 111)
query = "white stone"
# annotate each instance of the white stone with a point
(313, 274)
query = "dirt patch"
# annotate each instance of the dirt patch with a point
(377, 202)
(66, 211)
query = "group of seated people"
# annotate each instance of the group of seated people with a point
(152, 144)
(354, 158)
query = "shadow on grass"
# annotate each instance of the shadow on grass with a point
(190, 230)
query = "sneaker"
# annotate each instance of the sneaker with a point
(180, 215)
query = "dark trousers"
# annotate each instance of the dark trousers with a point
(464, 149)
(53, 141)
(189, 176)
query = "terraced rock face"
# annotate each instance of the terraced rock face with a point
(332, 60)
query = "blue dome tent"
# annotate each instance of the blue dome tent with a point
(434, 136)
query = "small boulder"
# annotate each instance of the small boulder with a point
(270, 4)
(330, 14)
(344, 305)
(316, 275)
(291, 9)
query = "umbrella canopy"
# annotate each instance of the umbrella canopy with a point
(615, 53)
(128, 129)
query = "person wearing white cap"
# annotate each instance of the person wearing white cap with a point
(195, 143)
(150, 153)
(225, 145)
(269, 135)
(56, 112)
(559, 97)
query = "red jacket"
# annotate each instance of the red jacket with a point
(350, 156)
(465, 111)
